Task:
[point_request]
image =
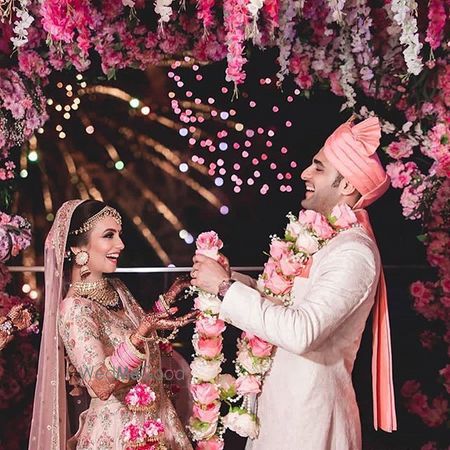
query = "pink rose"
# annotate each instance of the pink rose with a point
(209, 326)
(258, 347)
(211, 444)
(209, 240)
(205, 393)
(208, 347)
(307, 217)
(278, 285)
(278, 249)
(291, 266)
(343, 216)
(206, 413)
(248, 385)
(417, 289)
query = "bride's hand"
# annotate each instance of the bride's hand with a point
(162, 321)
(177, 287)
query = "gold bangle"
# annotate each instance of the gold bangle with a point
(162, 299)
(133, 349)
(144, 338)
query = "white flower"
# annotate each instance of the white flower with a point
(205, 370)
(207, 303)
(251, 364)
(405, 14)
(163, 9)
(129, 3)
(294, 228)
(307, 242)
(202, 430)
(242, 423)
(21, 24)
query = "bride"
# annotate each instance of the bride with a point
(105, 333)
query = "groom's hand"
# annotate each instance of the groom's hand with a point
(207, 274)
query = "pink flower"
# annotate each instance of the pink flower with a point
(248, 385)
(211, 444)
(399, 149)
(279, 249)
(409, 388)
(209, 244)
(278, 284)
(209, 326)
(437, 17)
(401, 174)
(291, 266)
(208, 347)
(206, 413)
(317, 223)
(258, 347)
(205, 393)
(417, 289)
(343, 216)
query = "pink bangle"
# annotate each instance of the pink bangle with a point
(158, 307)
(115, 362)
(131, 360)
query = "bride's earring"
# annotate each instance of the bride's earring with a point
(81, 259)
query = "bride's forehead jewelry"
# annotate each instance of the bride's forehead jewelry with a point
(107, 211)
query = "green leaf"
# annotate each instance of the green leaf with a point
(422, 237)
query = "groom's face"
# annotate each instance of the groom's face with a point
(322, 190)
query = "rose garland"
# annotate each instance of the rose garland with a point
(147, 435)
(289, 258)
(206, 366)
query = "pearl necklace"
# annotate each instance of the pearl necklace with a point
(99, 291)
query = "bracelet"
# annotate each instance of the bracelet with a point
(117, 372)
(144, 338)
(163, 302)
(133, 349)
(7, 327)
(130, 360)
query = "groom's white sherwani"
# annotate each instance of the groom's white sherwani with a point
(307, 400)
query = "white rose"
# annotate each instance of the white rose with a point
(207, 302)
(305, 241)
(294, 228)
(251, 364)
(242, 423)
(202, 430)
(205, 370)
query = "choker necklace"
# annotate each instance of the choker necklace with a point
(99, 291)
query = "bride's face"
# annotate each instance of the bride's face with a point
(104, 247)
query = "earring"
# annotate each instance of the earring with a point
(81, 259)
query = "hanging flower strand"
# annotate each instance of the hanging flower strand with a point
(236, 19)
(21, 24)
(405, 14)
(205, 14)
(254, 7)
(164, 10)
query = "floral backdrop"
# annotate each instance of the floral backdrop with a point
(390, 54)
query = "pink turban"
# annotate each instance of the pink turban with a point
(351, 150)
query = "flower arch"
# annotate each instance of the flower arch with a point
(390, 51)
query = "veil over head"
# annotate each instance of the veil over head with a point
(49, 423)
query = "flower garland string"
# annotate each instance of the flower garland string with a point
(208, 358)
(289, 258)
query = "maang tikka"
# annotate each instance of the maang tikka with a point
(81, 259)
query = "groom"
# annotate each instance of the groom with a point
(307, 400)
